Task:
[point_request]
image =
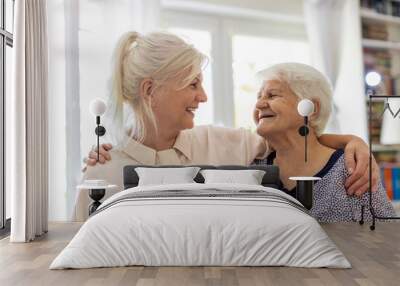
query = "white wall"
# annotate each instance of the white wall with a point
(56, 109)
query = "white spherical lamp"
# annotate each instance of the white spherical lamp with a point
(305, 107)
(97, 107)
(373, 78)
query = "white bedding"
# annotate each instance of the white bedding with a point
(182, 231)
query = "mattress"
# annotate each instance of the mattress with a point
(201, 225)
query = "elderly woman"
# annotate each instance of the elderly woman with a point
(277, 119)
(158, 76)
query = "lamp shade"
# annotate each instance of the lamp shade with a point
(390, 132)
(97, 107)
(305, 107)
(373, 78)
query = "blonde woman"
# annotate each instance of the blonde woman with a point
(159, 77)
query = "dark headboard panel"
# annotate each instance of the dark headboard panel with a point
(270, 179)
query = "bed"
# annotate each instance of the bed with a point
(201, 224)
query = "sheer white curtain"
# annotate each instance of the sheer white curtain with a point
(29, 166)
(82, 38)
(333, 28)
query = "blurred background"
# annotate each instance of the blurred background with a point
(344, 39)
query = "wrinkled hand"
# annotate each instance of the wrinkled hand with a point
(357, 164)
(104, 155)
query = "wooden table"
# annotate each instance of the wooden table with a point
(374, 255)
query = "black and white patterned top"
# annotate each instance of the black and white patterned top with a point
(331, 203)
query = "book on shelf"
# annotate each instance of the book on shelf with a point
(374, 31)
(396, 8)
(390, 174)
(387, 7)
(389, 156)
(377, 108)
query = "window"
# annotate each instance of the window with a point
(238, 47)
(6, 43)
(9, 15)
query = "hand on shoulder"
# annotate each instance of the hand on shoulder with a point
(103, 157)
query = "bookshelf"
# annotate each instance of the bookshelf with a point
(369, 43)
(370, 14)
(380, 21)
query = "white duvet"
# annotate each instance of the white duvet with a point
(183, 231)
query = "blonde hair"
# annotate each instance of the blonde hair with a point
(305, 82)
(160, 56)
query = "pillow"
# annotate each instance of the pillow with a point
(248, 177)
(163, 176)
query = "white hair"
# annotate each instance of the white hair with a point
(160, 56)
(306, 82)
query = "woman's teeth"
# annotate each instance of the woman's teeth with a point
(191, 110)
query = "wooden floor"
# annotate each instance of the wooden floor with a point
(375, 257)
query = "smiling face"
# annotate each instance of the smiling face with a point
(175, 109)
(276, 109)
